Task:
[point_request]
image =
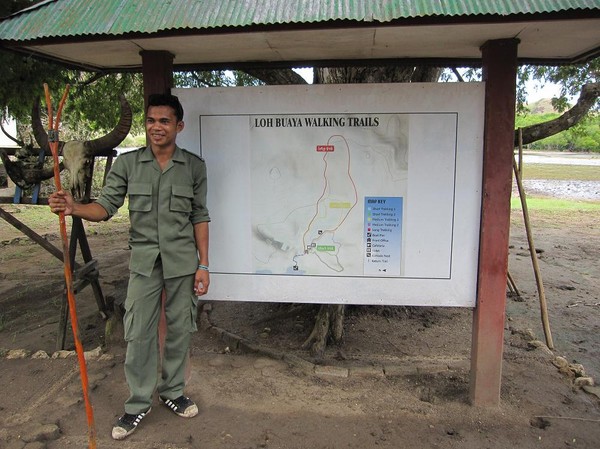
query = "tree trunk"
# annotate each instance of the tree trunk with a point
(329, 325)
(387, 74)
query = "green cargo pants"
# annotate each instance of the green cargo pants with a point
(142, 312)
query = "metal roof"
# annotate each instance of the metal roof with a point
(62, 18)
(427, 29)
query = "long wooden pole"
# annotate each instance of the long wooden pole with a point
(53, 141)
(533, 254)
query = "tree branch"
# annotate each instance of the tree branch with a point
(587, 99)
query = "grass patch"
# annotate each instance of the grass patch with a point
(561, 172)
(555, 204)
(42, 221)
(38, 218)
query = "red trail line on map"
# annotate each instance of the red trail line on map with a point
(326, 183)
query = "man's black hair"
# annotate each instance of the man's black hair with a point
(166, 100)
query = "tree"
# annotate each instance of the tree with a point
(329, 319)
(93, 104)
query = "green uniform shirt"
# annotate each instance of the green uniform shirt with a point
(163, 207)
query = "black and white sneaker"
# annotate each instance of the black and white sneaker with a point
(182, 406)
(127, 424)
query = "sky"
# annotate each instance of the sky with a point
(535, 91)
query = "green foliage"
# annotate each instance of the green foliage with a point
(571, 78)
(93, 106)
(22, 77)
(555, 205)
(585, 136)
(214, 78)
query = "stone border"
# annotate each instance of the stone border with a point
(94, 354)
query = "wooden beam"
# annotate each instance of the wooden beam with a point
(500, 75)
(157, 71)
(32, 234)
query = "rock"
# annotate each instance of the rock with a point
(538, 344)
(331, 371)
(560, 362)
(366, 371)
(40, 355)
(17, 354)
(94, 354)
(581, 382)
(577, 369)
(63, 354)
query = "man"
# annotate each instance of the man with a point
(166, 186)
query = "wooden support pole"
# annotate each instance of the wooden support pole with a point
(157, 71)
(512, 285)
(534, 259)
(500, 75)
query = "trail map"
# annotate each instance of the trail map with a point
(328, 193)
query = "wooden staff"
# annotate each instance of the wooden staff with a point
(53, 142)
(534, 259)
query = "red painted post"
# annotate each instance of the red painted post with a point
(499, 74)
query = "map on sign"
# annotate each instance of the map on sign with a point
(328, 193)
(354, 194)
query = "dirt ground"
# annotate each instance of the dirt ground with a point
(401, 378)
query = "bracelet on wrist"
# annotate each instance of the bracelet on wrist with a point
(202, 267)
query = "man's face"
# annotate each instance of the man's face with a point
(162, 125)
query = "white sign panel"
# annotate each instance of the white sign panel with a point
(362, 194)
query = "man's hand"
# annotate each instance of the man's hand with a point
(201, 282)
(61, 201)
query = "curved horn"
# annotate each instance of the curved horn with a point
(117, 135)
(24, 176)
(40, 134)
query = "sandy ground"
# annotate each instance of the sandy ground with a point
(400, 379)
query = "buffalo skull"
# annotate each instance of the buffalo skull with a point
(78, 156)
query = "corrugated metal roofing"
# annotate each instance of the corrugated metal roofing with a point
(68, 18)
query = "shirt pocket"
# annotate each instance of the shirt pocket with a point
(140, 197)
(181, 198)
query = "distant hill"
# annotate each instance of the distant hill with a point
(543, 106)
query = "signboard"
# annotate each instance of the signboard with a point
(364, 194)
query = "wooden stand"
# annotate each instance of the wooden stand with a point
(82, 275)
